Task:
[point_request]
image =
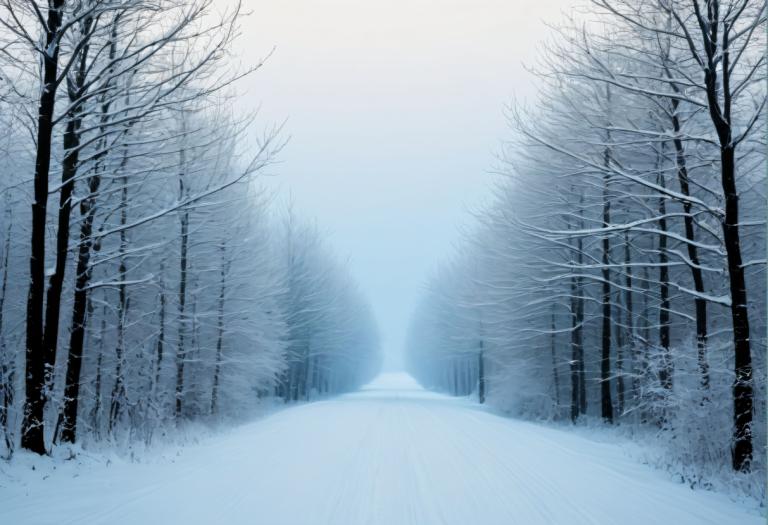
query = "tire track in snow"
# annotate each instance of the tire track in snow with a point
(392, 454)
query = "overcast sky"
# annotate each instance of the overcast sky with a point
(394, 111)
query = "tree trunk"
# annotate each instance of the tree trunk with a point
(721, 119)
(79, 315)
(193, 352)
(184, 239)
(579, 341)
(742, 385)
(160, 347)
(68, 416)
(68, 173)
(693, 253)
(696, 271)
(219, 332)
(307, 381)
(481, 375)
(644, 366)
(555, 376)
(620, 387)
(665, 371)
(574, 364)
(606, 403)
(32, 429)
(8, 368)
(118, 388)
(97, 404)
(630, 316)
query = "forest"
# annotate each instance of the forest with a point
(617, 277)
(185, 340)
(148, 278)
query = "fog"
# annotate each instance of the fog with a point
(394, 113)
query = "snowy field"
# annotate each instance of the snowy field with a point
(391, 454)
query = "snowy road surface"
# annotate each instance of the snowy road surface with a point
(392, 454)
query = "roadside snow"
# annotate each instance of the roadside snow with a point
(391, 454)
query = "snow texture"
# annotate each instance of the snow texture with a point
(390, 454)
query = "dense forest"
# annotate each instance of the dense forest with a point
(618, 275)
(146, 277)
(181, 343)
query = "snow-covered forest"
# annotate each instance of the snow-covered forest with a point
(619, 273)
(396, 263)
(147, 278)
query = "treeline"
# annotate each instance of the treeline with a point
(144, 279)
(620, 271)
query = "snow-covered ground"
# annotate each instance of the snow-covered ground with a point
(391, 454)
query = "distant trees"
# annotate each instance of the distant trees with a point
(155, 285)
(331, 331)
(630, 233)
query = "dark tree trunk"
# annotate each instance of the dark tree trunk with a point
(68, 417)
(574, 364)
(96, 411)
(294, 381)
(219, 333)
(665, 371)
(181, 351)
(8, 367)
(311, 364)
(183, 262)
(193, 349)
(693, 253)
(56, 280)
(160, 347)
(481, 374)
(32, 429)
(606, 403)
(316, 375)
(579, 340)
(79, 315)
(722, 122)
(81, 305)
(742, 385)
(68, 173)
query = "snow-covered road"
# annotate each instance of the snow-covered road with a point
(391, 454)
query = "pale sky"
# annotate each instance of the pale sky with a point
(395, 112)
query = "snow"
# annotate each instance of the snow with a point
(391, 454)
